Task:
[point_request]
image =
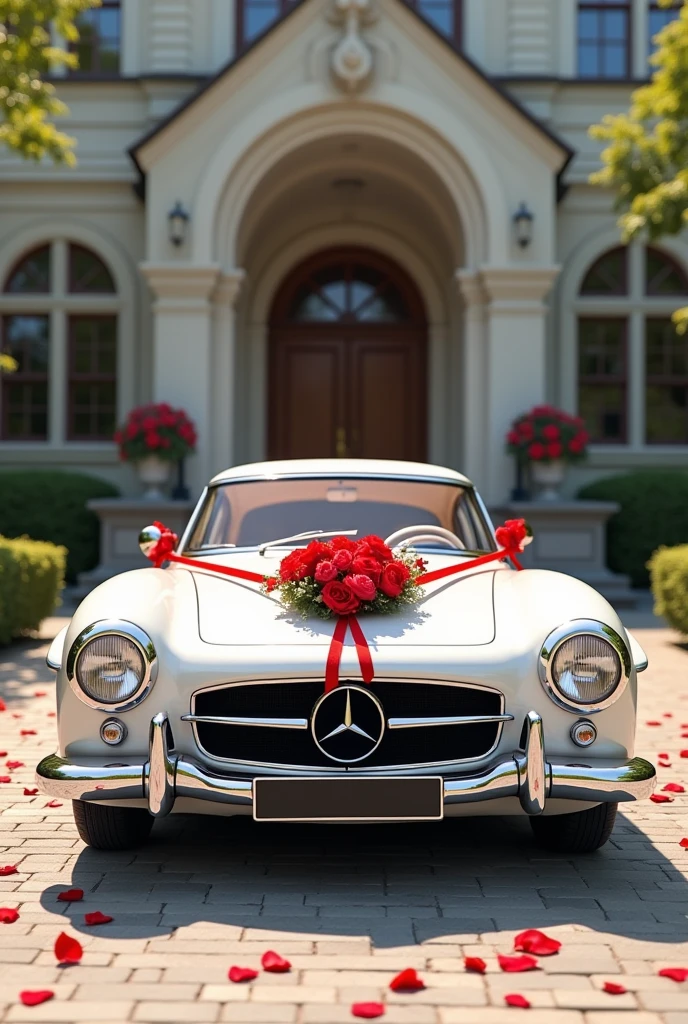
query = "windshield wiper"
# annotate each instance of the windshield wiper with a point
(309, 534)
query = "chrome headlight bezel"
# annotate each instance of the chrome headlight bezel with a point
(583, 627)
(130, 631)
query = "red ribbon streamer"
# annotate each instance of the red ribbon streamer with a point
(450, 570)
(334, 655)
(226, 570)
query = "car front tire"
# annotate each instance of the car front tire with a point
(111, 828)
(580, 832)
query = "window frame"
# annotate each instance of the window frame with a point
(660, 380)
(622, 380)
(73, 379)
(98, 72)
(10, 380)
(626, 6)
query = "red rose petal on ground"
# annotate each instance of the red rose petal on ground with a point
(14, 764)
(684, 753)
(28, 732)
(9, 869)
(52, 714)
(36, 997)
(613, 989)
(30, 792)
(653, 723)
(474, 963)
(274, 963)
(70, 895)
(40, 693)
(675, 973)
(97, 917)
(684, 843)
(3, 753)
(533, 941)
(673, 787)
(54, 803)
(667, 714)
(515, 999)
(237, 974)
(5, 778)
(16, 715)
(663, 757)
(368, 1010)
(67, 949)
(657, 798)
(407, 981)
(3, 707)
(8, 915)
(514, 964)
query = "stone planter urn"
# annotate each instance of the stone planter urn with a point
(547, 478)
(154, 474)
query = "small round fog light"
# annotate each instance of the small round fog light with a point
(583, 733)
(113, 732)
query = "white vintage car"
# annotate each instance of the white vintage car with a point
(180, 690)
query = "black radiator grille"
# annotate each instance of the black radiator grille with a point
(416, 746)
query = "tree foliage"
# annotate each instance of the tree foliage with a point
(26, 57)
(645, 161)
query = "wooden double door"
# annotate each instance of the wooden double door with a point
(348, 355)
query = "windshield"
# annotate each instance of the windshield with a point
(250, 513)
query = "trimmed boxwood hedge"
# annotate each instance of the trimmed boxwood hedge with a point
(51, 505)
(31, 577)
(669, 576)
(654, 512)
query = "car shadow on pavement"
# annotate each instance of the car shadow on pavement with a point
(398, 884)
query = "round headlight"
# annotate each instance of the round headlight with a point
(111, 665)
(110, 669)
(584, 664)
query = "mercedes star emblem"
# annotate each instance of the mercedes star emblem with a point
(348, 724)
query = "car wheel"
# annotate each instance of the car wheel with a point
(111, 828)
(581, 832)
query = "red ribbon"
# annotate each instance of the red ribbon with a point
(163, 551)
(334, 655)
(450, 570)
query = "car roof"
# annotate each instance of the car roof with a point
(339, 468)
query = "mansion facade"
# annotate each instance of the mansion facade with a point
(340, 227)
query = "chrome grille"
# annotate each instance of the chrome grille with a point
(295, 748)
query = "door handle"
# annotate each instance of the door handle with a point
(341, 443)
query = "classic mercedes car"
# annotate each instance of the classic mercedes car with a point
(184, 690)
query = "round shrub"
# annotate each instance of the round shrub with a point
(654, 512)
(51, 505)
(669, 575)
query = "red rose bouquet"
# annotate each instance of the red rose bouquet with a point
(156, 429)
(345, 577)
(546, 434)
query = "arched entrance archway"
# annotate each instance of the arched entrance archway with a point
(348, 360)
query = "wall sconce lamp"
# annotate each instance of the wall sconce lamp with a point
(177, 222)
(523, 226)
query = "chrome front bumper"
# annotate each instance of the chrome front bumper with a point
(526, 775)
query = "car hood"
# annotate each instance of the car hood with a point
(456, 611)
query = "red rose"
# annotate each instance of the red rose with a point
(362, 587)
(149, 423)
(366, 565)
(292, 567)
(551, 432)
(525, 429)
(394, 577)
(377, 547)
(314, 553)
(576, 446)
(152, 439)
(512, 437)
(325, 571)
(342, 559)
(536, 451)
(554, 449)
(340, 598)
(343, 544)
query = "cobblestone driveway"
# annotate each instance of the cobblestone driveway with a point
(349, 908)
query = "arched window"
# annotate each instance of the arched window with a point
(349, 293)
(253, 17)
(58, 320)
(632, 365)
(604, 38)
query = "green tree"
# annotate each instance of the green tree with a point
(646, 160)
(26, 57)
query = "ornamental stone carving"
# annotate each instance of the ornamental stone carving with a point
(352, 58)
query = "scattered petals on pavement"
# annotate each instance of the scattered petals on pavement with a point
(657, 798)
(684, 753)
(274, 963)
(368, 1010)
(30, 792)
(516, 999)
(54, 803)
(5, 778)
(40, 693)
(474, 963)
(28, 732)
(515, 964)
(70, 895)
(653, 723)
(684, 843)
(3, 706)
(237, 974)
(673, 787)
(67, 949)
(667, 714)
(36, 997)
(407, 981)
(675, 973)
(97, 917)
(534, 941)
(14, 764)
(8, 869)
(8, 915)
(613, 988)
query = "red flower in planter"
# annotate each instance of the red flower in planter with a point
(546, 434)
(156, 429)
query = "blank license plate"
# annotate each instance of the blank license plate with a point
(394, 799)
